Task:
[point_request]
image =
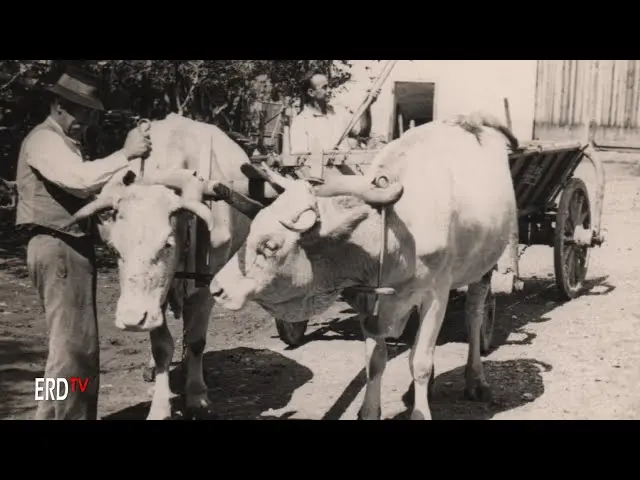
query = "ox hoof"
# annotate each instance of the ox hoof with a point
(368, 415)
(478, 392)
(198, 407)
(148, 373)
(418, 415)
(409, 398)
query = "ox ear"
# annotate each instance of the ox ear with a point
(339, 223)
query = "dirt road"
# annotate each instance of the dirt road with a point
(578, 360)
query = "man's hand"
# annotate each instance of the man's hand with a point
(137, 144)
(374, 95)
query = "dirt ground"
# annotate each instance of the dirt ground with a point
(553, 360)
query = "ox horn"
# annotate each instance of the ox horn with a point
(302, 222)
(191, 191)
(376, 192)
(190, 186)
(194, 189)
(104, 202)
(272, 176)
(198, 209)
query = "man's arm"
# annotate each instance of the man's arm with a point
(48, 153)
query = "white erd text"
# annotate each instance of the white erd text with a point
(58, 388)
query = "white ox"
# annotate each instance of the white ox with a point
(449, 228)
(148, 233)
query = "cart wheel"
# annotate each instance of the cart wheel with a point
(488, 324)
(291, 333)
(570, 259)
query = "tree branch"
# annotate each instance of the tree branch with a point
(194, 84)
(17, 75)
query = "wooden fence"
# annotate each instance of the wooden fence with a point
(571, 94)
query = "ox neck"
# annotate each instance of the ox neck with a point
(355, 243)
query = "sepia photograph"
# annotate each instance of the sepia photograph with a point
(319, 239)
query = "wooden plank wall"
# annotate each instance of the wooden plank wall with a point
(571, 93)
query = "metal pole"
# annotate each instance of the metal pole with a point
(386, 71)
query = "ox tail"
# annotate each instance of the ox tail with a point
(474, 122)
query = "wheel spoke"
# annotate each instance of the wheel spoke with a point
(576, 267)
(583, 216)
(576, 205)
(581, 256)
(570, 264)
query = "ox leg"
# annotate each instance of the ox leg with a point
(376, 362)
(421, 358)
(506, 277)
(162, 350)
(197, 310)
(149, 370)
(477, 387)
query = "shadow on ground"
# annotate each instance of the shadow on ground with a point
(17, 376)
(514, 312)
(243, 382)
(513, 384)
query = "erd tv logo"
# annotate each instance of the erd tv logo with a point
(58, 388)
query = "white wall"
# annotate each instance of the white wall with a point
(461, 86)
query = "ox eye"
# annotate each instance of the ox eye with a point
(268, 248)
(271, 245)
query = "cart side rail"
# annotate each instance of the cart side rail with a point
(540, 173)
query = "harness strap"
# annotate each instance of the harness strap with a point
(383, 249)
(381, 182)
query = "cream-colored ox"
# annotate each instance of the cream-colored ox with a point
(147, 229)
(451, 210)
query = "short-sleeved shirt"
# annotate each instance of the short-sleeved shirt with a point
(313, 131)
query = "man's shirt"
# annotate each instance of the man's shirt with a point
(63, 166)
(313, 131)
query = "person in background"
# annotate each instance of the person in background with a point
(53, 183)
(319, 125)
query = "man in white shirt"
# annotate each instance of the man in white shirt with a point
(53, 183)
(319, 125)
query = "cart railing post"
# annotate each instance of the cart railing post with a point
(507, 114)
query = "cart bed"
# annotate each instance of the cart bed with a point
(539, 172)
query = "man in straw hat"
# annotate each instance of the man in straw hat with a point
(53, 183)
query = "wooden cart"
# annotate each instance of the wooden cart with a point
(554, 207)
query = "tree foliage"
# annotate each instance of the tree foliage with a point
(215, 91)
